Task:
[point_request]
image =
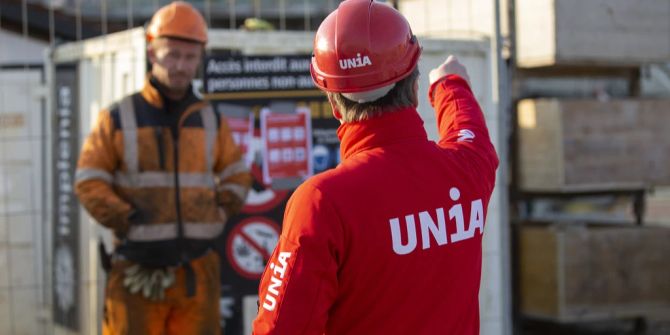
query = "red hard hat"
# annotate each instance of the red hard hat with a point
(361, 46)
(178, 20)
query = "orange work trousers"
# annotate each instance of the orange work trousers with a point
(133, 314)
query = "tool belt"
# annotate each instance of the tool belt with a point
(164, 253)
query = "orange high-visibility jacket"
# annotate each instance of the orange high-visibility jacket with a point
(157, 174)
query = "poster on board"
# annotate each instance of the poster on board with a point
(285, 128)
(286, 146)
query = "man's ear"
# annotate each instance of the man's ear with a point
(151, 52)
(333, 105)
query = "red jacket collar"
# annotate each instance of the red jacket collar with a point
(387, 128)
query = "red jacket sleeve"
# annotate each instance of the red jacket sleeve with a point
(300, 280)
(461, 123)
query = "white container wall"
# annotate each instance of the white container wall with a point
(21, 206)
(452, 18)
(22, 95)
(23, 50)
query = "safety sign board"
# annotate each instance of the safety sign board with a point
(242, 130)
(262, 197)
(287, 144)
(241, 86)
(250, 245)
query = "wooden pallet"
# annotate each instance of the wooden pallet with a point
(572, 273)
(593, 32)
(587, 145)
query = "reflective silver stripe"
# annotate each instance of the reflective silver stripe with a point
(233, 169)
(163, 179)
(168, 231)
(196, 180)
(152, 232)
(90, 174)
(209, 122)
(203, 230)
(129, 128)
(238, 190)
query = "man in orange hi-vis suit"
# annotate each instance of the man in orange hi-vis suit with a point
(162, 171)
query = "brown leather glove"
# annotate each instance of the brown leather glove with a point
(230, 203)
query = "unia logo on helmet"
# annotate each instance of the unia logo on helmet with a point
(350, 63)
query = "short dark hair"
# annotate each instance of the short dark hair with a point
(401, 95)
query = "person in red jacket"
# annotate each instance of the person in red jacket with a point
(390, 241)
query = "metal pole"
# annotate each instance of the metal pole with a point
(77, 11)
(501, 99)
(232, 15)
(103, 17)
(52, 25)
(282, 14)
(129, 14)
(257, 9)
(24, 18)
(308, 22)
(208, 13)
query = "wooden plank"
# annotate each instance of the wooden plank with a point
(539, 276)
(597, 32)
(657, 207)
(540, 144)
(596, 209)
(596, 272)
(577, 145)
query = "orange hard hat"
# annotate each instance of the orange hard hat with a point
(178, 20)
(362, 46)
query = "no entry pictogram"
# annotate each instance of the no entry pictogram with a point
(250, 245)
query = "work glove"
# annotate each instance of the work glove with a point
(150, 282)
(230, 203)
(121, 229)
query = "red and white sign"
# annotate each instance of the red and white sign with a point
(261, 196)
(263, 199)
(242, 130)
(250, 245)
(287, 140)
